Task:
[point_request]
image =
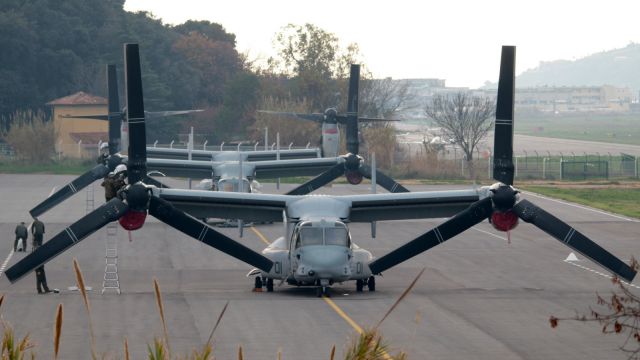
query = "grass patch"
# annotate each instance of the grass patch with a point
(63, 167)
(619, 128)
(617, 200)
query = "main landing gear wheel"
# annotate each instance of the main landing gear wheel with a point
(269, 285)
(359, 285)
(258, 284)
(371, 284)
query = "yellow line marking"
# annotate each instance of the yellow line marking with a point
(350, 321)
(262, 237)
(343, 314)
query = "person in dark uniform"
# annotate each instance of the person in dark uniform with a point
(21, 233)
(41, 281)
(37, 230)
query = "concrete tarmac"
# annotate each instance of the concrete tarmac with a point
(479, 298)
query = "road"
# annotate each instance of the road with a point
(479, 297)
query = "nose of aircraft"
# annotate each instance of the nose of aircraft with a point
(330, 262)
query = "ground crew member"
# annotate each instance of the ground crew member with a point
(21, 233)
(37, 230)
(104, 154)
(114, 182)
(41, 281)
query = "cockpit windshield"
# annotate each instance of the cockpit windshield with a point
(323, 235)
(233, 185)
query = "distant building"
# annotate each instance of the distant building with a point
(605, 98)
(79, 137)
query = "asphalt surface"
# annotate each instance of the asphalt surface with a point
(479, 298)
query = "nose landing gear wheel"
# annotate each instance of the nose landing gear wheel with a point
(258, 284)
(269, 285)
(359, 285)
(371, 284)
(322, 291)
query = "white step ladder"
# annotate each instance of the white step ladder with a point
(111, 280)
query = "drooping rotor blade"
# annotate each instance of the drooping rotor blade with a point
(560, 230)
(366, 119)
(68, 237)
(137, 164)
(167, 213)
(313, 117)
(151, 181)
(73, 187)
(503, 170)
(352, 110)
(115, 116)
(319, 181)
(161, 114)
(383, 180)
(94, 117)
(464, 220)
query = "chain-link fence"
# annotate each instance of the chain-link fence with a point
(422, 162)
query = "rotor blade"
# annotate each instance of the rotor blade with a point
(167, 213)
(94, 117)
(115, 116)
(464, 220)
(70, 236)
(342, 119)
(560, 230)
(137, 167)
(383, 180)
(73, 187)
(151, 181)
(161, 114)
(313, 117)
(352, 110)
(503, 134)
(319, 181)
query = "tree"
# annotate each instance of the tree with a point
(313, 59)
(383, 97)
(32, 136)
(464, 118)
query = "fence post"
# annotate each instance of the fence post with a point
(308, 144)
(171, 145)
(544, 168)
(155, 143)
(255, 147)
(80, 149)
(204, 146)
(290, 145)
(561, 161)
(221, 146)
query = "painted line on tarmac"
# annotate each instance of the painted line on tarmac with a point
(599, 273)
(581, 207)
(262, 237)
(349, 320)
(6, 261)
(492, 234)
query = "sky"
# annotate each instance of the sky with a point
(456, 40)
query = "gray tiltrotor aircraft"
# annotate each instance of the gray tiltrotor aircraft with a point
(317, 248)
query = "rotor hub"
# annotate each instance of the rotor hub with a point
(330, 115)
(352, 162)
(504, 197)
(137, 197)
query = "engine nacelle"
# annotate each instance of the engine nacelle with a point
(133, 220)
(353, 177)
(504, 220)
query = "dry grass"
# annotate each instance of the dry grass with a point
(87, 305)
(156, 289)
(57, 331)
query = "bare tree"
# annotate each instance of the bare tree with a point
(464, 118)
(383, 97)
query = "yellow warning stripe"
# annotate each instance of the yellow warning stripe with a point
(262, 237)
